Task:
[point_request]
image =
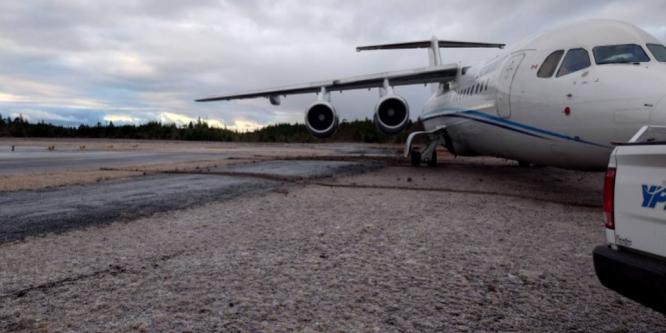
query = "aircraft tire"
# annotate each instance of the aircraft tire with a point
(524, 164)
(415, 157)
(433, 159)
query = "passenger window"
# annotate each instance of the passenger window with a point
(549, 65)
(575, 60)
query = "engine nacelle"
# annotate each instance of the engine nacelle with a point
(391, 114)
(321, 120)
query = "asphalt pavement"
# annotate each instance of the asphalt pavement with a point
(36, 212)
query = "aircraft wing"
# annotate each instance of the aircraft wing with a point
(432, 74)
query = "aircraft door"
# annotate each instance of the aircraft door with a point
(504, 84)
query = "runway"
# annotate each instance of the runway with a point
(34, 156)
(38, 159)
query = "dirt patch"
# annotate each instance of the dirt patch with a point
(64, 178)
(187, 166)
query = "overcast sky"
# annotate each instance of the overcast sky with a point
(79, 61)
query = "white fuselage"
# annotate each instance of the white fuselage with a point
(501, 108)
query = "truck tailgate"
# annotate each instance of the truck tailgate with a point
(640, 198)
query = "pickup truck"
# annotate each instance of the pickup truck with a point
(633, 263)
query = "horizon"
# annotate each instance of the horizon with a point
(214, 125)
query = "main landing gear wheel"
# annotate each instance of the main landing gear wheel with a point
(433, 159)
(415, 157)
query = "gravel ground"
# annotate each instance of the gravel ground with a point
(486, 248)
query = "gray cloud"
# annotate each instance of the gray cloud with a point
(142, 60)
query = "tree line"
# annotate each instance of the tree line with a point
(348, 131)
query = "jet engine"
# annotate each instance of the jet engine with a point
(391, 114)
(321, 120)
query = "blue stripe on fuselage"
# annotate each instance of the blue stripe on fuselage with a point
(463, 115)
(506, 124)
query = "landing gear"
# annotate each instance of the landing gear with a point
(429, 154)
(415, 157)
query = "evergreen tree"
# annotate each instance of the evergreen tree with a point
(356, 131)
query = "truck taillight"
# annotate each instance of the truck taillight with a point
(609, 188)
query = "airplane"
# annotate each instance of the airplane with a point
(561, 98)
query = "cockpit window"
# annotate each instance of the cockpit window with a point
(619, 54)
(575, 60)
(658, 51)
(549, 65)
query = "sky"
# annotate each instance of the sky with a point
(72, 62)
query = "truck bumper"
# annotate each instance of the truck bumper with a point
(635, 276)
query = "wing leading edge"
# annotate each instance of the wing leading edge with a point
(425, 75)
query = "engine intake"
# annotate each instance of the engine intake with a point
(321, 120)
(391, 114)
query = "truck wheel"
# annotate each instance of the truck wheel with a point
(433, 159)
(415, 158)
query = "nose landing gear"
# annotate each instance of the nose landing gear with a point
(416, 158)
(429, 155)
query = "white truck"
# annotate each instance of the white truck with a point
(633, 262)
